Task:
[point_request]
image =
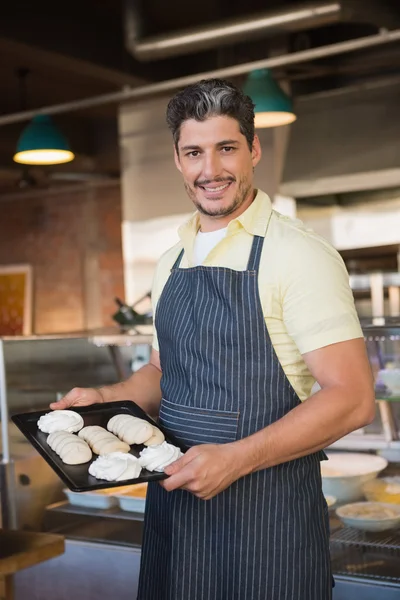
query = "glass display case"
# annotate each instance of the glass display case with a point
(382, 337)
(367, 564)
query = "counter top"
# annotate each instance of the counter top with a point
(103, 336)
(21, 549)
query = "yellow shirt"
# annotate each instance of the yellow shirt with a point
(303, 283)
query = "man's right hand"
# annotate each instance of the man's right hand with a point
(78, 397)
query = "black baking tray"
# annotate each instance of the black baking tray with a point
(77, 477)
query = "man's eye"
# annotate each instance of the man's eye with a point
(228, 148)
(193, 153)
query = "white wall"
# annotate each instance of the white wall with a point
(361, 226)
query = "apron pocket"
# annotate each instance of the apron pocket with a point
(192, 426)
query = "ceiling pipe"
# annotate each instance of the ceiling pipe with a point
(370, 41)
(256, 26)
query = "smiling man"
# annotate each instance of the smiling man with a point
(218, 170)
(251, 308)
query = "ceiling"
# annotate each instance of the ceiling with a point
(78, 50)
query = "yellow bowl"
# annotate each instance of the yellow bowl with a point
(385, 489)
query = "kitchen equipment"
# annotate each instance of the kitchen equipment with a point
(127, 316)
(133, 499)
(385, 489)
(370, 516)
(391, 379)
(331, 501)
(344, 474)
(96, 499)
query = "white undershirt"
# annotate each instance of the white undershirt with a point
(204, 243)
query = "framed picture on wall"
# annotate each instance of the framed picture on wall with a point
(15, 300)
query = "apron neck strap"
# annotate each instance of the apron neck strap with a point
(255, 254)
(254, 258)
(178, 260)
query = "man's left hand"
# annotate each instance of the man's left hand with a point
(204, 470)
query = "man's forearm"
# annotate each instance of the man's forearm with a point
(143, 387)
(311, 426)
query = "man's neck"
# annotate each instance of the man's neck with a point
(209, 223)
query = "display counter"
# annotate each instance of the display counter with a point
(102, 554)
(102, 548)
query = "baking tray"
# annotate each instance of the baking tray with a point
(77, 477)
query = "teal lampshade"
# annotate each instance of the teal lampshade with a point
(41, 143)
(272, 106)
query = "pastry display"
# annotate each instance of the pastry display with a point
(117, 466)
(102, 441)
(156, 458)
(131, 430)
(70, 448)
(60, 420)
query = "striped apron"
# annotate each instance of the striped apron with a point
(267, 536)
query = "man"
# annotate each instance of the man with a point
(250, 309)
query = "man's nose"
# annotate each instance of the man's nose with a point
(212, 166)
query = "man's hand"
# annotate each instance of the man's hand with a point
(204, 470)
(78, 397)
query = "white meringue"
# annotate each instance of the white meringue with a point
(60, 420)
(156, 458)
(102, 441)
(156, 439)
(70, 448)
(116, 466)
(129, 429)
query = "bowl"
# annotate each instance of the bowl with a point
(330, 501)
(96, 499)
(391, 379)
(345, 473)
(134, 498)
(385, 489)
(370, 516)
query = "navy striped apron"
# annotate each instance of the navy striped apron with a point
(266, 537)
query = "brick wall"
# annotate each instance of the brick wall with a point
(72, 240)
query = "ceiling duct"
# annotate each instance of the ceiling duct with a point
(221, 33)
(298, 17)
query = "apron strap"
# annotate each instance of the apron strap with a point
(254, 258)
(178, 260)
(255, 254)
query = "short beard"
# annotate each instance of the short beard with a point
(244, 188)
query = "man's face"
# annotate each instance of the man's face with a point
(217, 165)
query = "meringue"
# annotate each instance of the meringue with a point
(156, 439)
(102, 441)
(60, 420)
(156, 458)
(71, 449)
(117, 466)
(129, 429)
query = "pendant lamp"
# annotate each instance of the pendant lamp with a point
(41, 143)
(272, 106)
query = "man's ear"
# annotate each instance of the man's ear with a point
(256, 151)
(177, 161)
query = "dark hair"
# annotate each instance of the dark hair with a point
(210, 98)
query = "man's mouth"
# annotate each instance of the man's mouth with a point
(214, 190)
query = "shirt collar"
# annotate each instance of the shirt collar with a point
(254, 220)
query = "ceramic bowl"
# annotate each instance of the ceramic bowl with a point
(345, 473)
(370, 516)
